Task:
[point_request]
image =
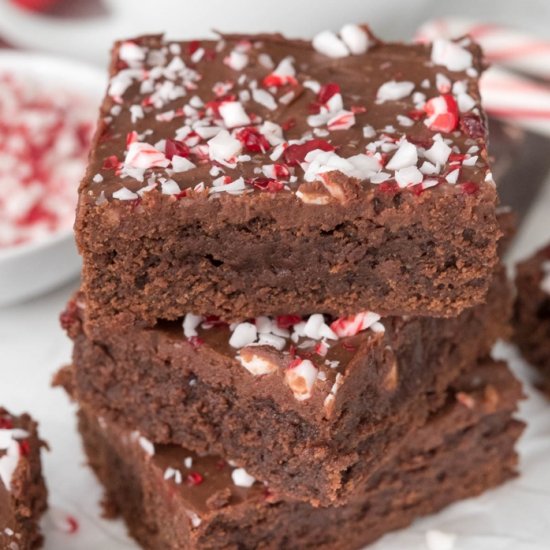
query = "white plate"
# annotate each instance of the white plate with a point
(33, 268)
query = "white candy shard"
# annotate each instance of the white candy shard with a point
(223, 147)
(355, 38)
(124, 194)
(146, 445)
(264, 98)
(181, 164)
(393, 91)
(243, 335)
(451, 55)
(327, 43)
(408, 176)
(438, 153)
(241, 478)
(190, 324)
(233, 114)
(406, 155)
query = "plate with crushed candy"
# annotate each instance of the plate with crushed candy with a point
(47, 117)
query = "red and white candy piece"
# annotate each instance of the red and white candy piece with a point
(300, 377)
(144, 156)
(442, 113)
(352, 325)
(10, 443)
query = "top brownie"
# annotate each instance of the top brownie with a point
(255, 175)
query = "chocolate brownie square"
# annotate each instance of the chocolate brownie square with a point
(172, 498)
(255, 175)
(309, 405)
(23, 494)
(532, 311)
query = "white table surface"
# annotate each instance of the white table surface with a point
(33, 347)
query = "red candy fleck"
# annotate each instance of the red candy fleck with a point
(193, 46)
(215, 104)
(325, 93)
(287, 321)
(288, 124)
(278, 80)
(388, 187)
(194, 478)
(6, 423)
(443, 112)
(24, 448)
(195, 341)
(253, 141)
(473, 126)
(215, 321)
(72, 525)
(416, 114)
(131, 137)
(281, 171)
(111, 163)
(176, 148)
(456, 157)
(295, 363)
(266, 184)
(295, 154)
(469, 187)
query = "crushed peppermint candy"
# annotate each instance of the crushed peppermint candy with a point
(241, 478)
(45, 135)
(11, 440)
(272, 123)
(451, 55)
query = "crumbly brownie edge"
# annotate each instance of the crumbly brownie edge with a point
(464, 464)
(123, 380)
(532, 313)
(23, 505)
(404, 266)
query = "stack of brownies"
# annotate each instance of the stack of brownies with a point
(290, 291)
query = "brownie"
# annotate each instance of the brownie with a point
(255, 175)
(172, 498)
(310, 406)
(23, 494)
(532, 311)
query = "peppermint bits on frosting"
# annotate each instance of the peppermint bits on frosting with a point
(353, 40)
(451, 55)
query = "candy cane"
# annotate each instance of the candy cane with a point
(516, 99)
(501, 45)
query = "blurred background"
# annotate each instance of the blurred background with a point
(85, 28)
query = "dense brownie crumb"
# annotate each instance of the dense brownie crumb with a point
(532, 311)
(465, 449)
(255, 175)
(311, 415)
(23, 494)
